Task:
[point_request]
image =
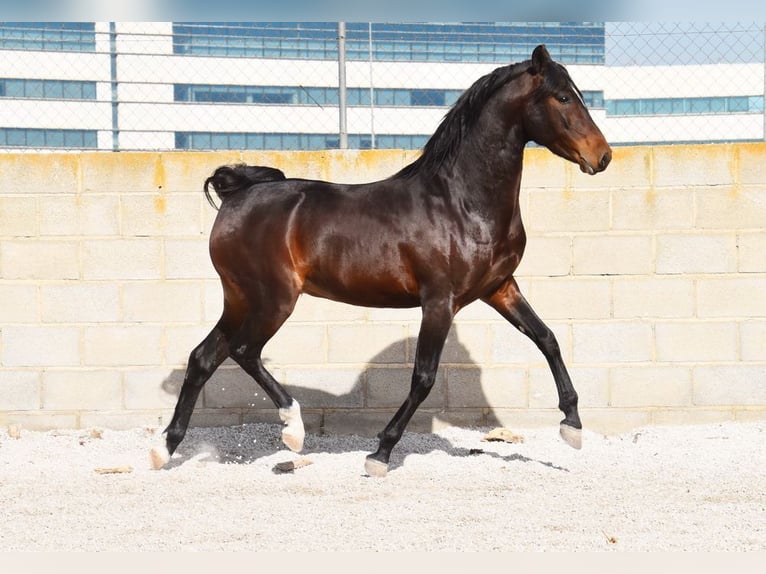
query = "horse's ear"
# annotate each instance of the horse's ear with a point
(540, 59)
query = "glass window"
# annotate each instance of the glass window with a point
(237, 141)
(14, 88)
(54, 138)
(16, 137)
(53, 90)
(34, 89)
(738, 104)
(73, 138)
(755, 103)
(272, 141)
(427, 97)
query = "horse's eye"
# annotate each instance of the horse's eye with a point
(563, 99)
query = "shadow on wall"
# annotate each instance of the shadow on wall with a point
(232, 398)
(366, 403)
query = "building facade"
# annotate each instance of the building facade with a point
(279, 85)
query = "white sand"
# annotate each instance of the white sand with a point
(700, 488)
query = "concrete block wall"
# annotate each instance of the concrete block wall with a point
(652, 276)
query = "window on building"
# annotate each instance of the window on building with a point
(54, 36)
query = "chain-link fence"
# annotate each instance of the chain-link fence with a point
(283, 85)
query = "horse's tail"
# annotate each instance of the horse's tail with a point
(230, 179)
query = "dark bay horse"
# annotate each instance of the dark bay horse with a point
(439, 234)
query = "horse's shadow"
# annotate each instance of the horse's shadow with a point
(246, 443)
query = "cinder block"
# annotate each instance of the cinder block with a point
(388, 387)
(731, 208)
(651, 209)
(474, 387)
(689, 165)
(18, 303)
(750, 156)
(613, 255)
(80, 302)
(39, 346)
(82, 389)
(165, 302)
(697, 341)
(115, 259)
(546, 257)
(752, 252)
(79, 215)
(298, 344)
(730, 385)
(151, 388)
(368, 343)
(46, 259)
(125, 172)
(509, 346)
(568, 210)
(18, 216)
(123, 345)
(58, 215)
(188, 259)
(571, 298)
(161, 214)
(650, 386)
(696, 253)
(20, 390)
(467, 344)
(733, 297)
(326, 388)
(52, 173)
(753, 340)
(641, 297)
(613, 342)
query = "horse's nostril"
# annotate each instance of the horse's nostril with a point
(605, 159)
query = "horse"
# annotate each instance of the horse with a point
(439, 234)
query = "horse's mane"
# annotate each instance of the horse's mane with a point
(443, 145)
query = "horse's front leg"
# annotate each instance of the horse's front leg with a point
(512, 305)
(437, 319)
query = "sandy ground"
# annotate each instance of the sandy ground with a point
(698, 488)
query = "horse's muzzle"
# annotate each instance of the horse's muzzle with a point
(587, 167)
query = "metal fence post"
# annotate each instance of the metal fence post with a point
(342, 84)
(114, 91)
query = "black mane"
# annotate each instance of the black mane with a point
(444, 144)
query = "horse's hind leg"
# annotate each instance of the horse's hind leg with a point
(512, 305)
(203, 362)
(246, 350)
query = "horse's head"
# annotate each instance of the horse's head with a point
(556, 116)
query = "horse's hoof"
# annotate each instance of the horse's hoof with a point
(293, 432)
(375, 468)
(159, 457)
(292, 440)
(571, 436)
